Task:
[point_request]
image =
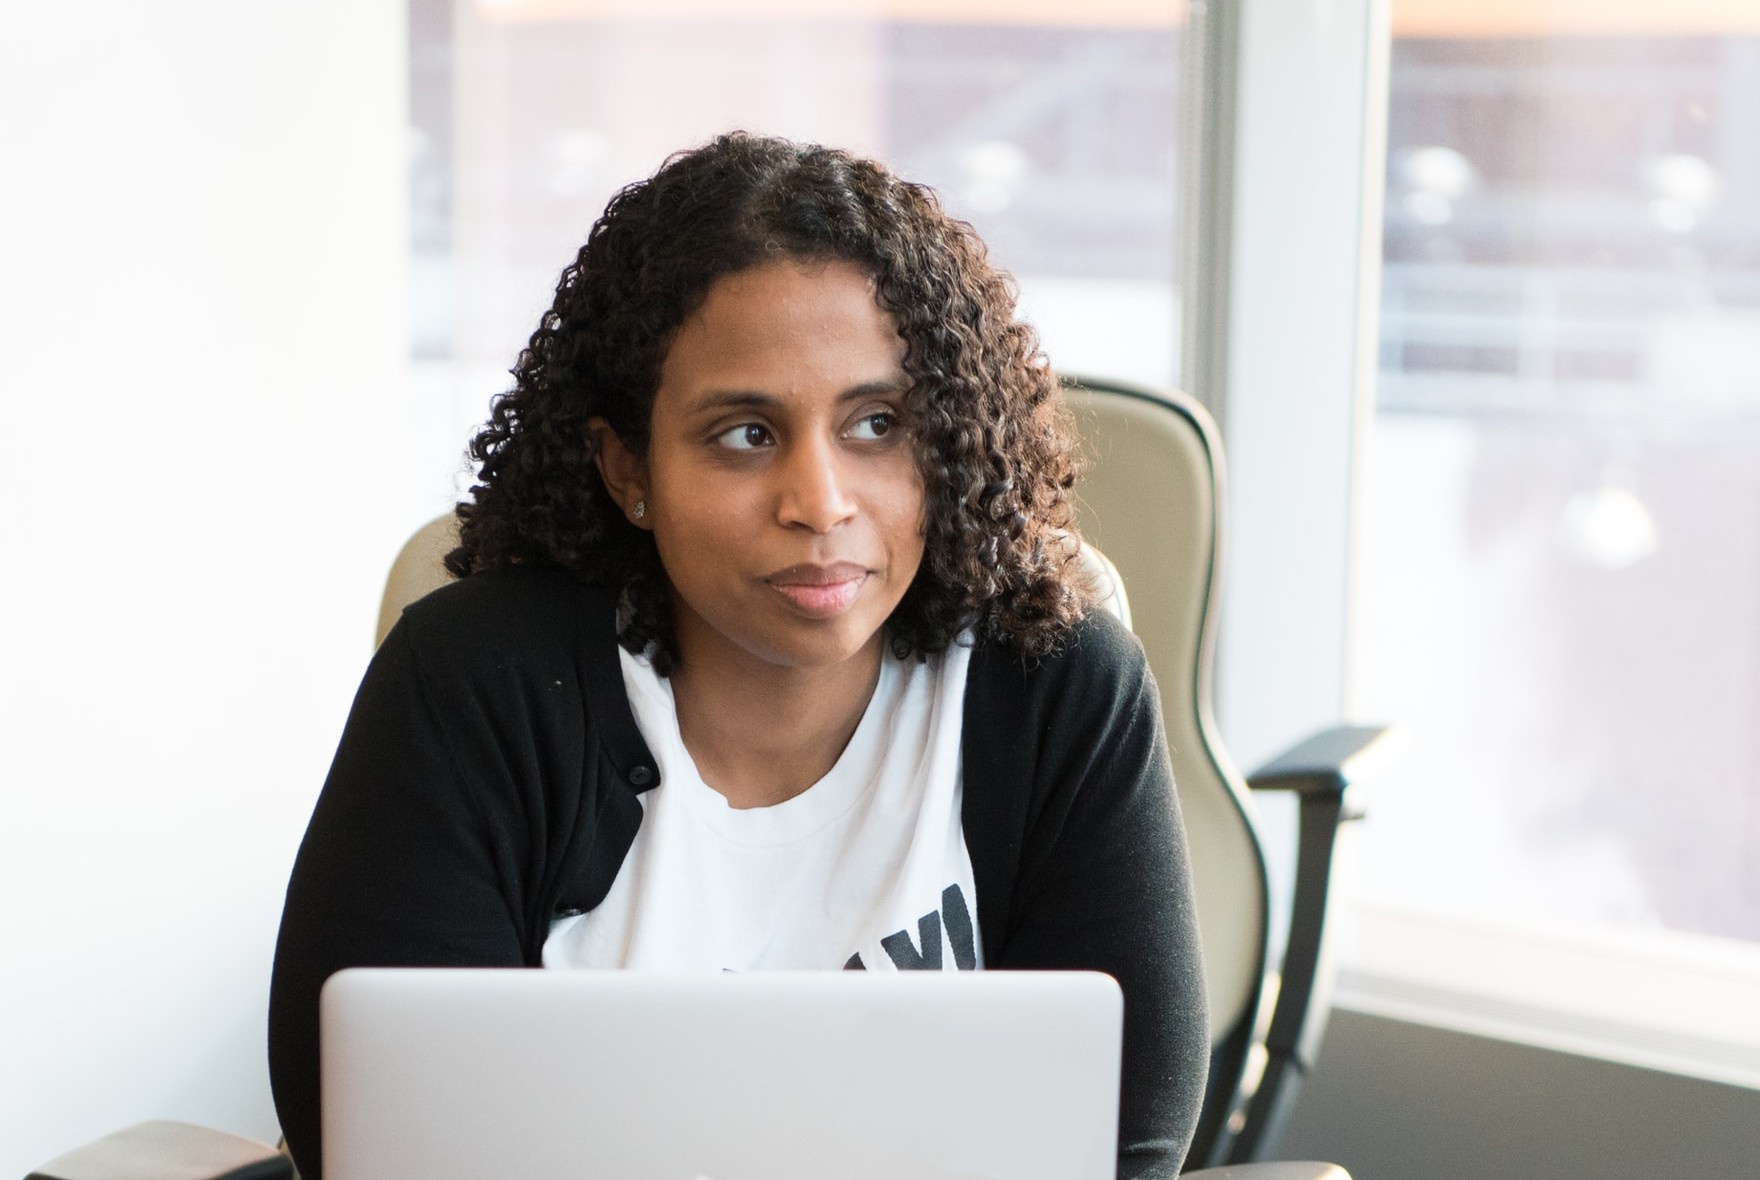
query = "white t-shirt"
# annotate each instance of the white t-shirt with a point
(867, 868)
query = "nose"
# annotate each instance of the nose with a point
(813, 491)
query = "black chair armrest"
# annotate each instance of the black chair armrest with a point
(1318, 771)
(163, 1150)
(1322, 765)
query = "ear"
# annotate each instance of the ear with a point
(624, 473)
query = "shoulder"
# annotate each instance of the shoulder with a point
(1100, 644)
(1098, 664)
(522, 659)
(508, 643)
(504, 615)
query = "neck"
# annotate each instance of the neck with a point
(759, 734)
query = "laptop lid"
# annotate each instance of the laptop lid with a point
(443, 1074)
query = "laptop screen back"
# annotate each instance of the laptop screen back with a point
(477, 1074)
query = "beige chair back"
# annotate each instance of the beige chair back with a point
(416, 570)
(1151, 501)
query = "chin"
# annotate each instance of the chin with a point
(830, 646)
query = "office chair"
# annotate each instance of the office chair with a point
(1150, 503)
(1152, 500)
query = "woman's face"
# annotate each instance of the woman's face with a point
(780, 483)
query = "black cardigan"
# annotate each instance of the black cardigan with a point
(487, 783)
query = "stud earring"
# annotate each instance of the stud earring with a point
(640, 510)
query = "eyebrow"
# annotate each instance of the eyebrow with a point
(755, 399)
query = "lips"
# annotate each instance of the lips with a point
(819, 591)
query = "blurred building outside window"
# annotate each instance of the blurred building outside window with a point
(1559, 580)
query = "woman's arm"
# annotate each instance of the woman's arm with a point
(399, 867)
(1103, 882)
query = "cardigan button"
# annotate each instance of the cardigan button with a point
(641, 776)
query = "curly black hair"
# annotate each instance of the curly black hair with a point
(991, 436)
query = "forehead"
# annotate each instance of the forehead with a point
(785, 327)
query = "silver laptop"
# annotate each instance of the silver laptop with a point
(494, 1075)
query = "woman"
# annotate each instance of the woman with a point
(768, 648)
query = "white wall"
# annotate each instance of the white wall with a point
(202, 333)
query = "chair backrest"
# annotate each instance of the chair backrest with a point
(416, 570)
(1151, 500)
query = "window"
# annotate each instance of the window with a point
(1559, 573)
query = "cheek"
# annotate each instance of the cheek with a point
(913, 501)
(905, 511)
(694, 526)
(696, 542)
(689, 498)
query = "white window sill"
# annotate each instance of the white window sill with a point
(1662, 1000)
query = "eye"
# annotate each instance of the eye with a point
(747, 436)
(873, 427)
